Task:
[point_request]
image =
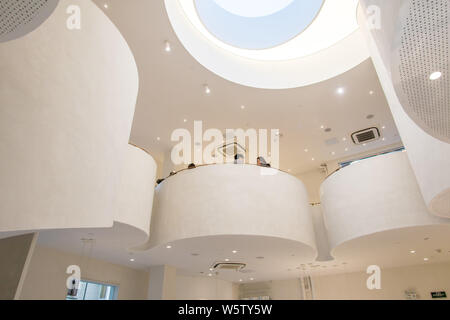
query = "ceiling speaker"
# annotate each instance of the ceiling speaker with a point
(20, 17)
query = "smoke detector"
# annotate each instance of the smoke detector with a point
(366, 135)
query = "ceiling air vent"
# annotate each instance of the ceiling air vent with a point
(231, 148)
(236, 266)
(366, 135)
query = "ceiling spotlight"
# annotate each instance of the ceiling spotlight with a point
(211, 269)
(184, 120)
(312, 159)
(371, 92)
(425, 259)
(340, 90)
(209, 274)
(131, 259)
(251, 279)
(168, 246)
(240, 280)
(333, 153)
(383, 127)
(306, 150)
(234, 251)
(344, 139)
(412, 251)
(167, 47)
(322, 127)
(383, 139)
(158, 138)
(242, 107)
(105, 6)
(226, 260)
(435, 75)
(207, 89)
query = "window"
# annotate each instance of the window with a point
(88, 290)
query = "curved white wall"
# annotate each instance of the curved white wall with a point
(373, 195)
(136, 189)
(231, 200)
(429, 156)
(67, 101)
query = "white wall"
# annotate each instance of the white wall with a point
(428, 155)
(67, 100)
(46, 277)
(205, 288)
(423, 278)
(277, 290)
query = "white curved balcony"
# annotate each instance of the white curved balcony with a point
(65, 120)
(232, 199)
(365, 202)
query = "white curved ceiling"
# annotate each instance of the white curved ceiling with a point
(172, 89)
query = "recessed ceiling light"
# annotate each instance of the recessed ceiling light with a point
(209, 274)
(322, 127)
(168, 246)
(234, 251)
(131, 259)
(242, 107)
(312, 159)
(105, 6)
(207, 89)
(240, 280)
(435, 75)
(346, 149)
(333, 153)
(344, 139)
(158, 138)
(226, 260)
(412, 251)
(383, 139)
(251, 279)
(364, 144)
(425, 259)
(211, 269)
(371, 92)
(184, 120)
(306, 150)
(383, 127)
(167, 46)
(340, 90)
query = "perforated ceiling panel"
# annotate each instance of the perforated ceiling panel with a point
(423, 50)
(19, 17)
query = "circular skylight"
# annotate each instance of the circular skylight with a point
(253, 8)
(256, 24)
(272, 44)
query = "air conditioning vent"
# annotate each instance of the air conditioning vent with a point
(229, 149)
(236, 266)
(366, 135)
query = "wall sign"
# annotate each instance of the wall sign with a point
(438, 294)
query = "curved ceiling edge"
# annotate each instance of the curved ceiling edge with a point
(343, 56)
